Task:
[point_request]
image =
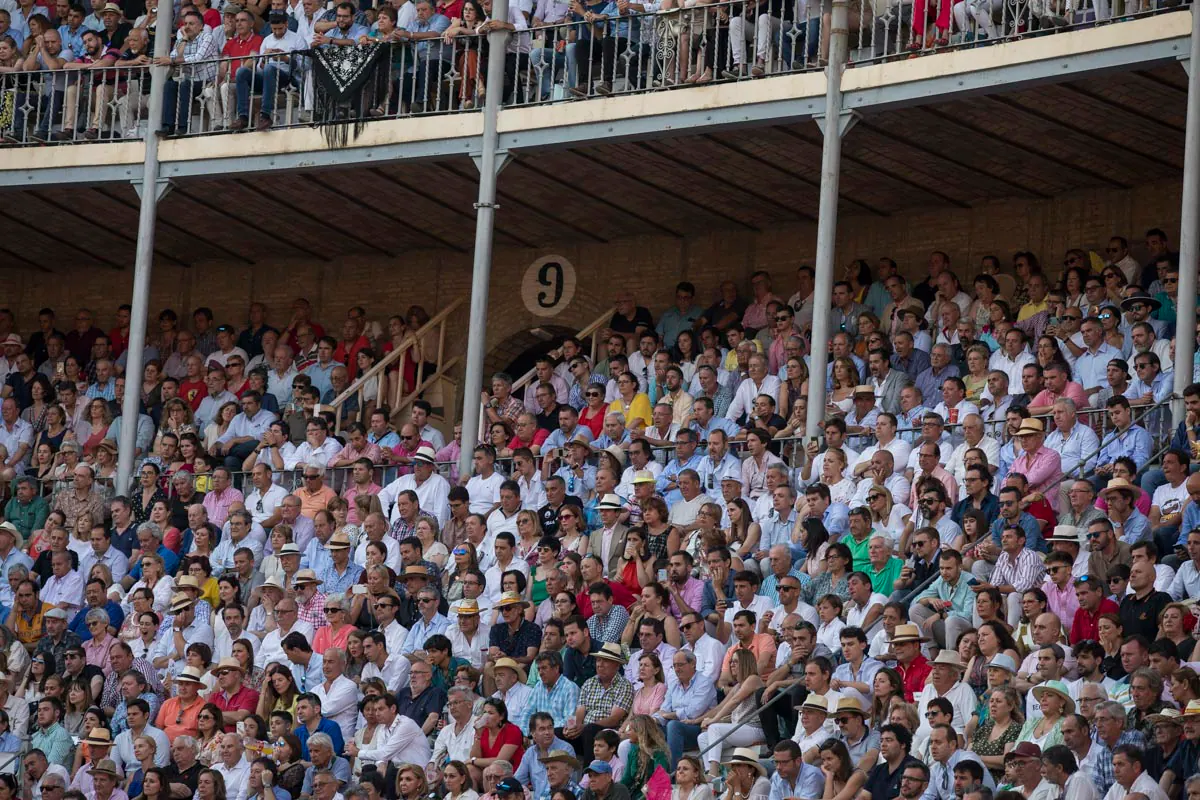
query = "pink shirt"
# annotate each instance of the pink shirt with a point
(1073, 391)
(1044, 472)
(353, 492)
(217, 505)
(348, 453)
(402, 451)
(95, 652)
(1061, 601)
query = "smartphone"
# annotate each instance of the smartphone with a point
(359, 589)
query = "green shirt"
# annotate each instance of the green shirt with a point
(882, 580)
(858, 552)
(28, 517)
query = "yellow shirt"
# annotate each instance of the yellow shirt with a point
(639, 408)
(1029, 309)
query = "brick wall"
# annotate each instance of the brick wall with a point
(650, 266)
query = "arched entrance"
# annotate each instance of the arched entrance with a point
(516, 354)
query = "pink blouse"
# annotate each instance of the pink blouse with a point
(648, 702)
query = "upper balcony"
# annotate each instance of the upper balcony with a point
(695, 70)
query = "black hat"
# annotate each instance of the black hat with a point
(510, 786)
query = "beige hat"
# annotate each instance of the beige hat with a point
(511, 599)
(12, 340)
(1171, 715)
(616, 452)
(105, 766)
(746, 756)
(508, 663)
(190, 675)
(18, 539)
(466, 606)
(644, 476)
(272, 582)
(339, 541)
(1067, 533)
(305, 576)
(227, 663)
(1029, 427)
(560, 757)
(290, 549)
(1120, 485)
(181, 602)
(907, 633)
(949, 658)
(610, 651)
(816, 702)
(864, 389)
(98, 737)
(415, 571)
(1059, 688)
(1192, 710)
(187, 582)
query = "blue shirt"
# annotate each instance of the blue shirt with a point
(670, 474)
(170, 561)
(333, 583)
(578, 486)
(1191, 521)
(559, 702)
(1091, 370)
(428, 49)
(1134, 443)
(533, 772)
(770, 584)
(422, 630)
(325, 726)
(691, 701)
(559, 439)
(673, 321)
(809, 783)
(320, 375)
(1135, 529)
(1081, 443)
(776, 531)
(716, 423)
(1026, 522)
(836, 519)
(930, 383)
(116, 617)
(389, 439)
(604, 440)
(711, 473)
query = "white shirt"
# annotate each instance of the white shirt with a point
(241, 425)
(281, 385)
(806, 612)
(955, 465)
(272, 650)
(516, 698)
(403, 742)
(1079, 786)
(961, 696)
(392, 559)
(394, 673)
(743, 398)
(495, 575)
(455, 745)
(533, 493)
(339, 703)
(67, 589)
(855, 615)
(710, 653)
(469, 648)
(262, 505)
(1011, 366)
(395, 634)
(899, 449)
(1143, 785)
(305, 453)
(433, 496)
(237, 778)
(760, 604)
(485, 492)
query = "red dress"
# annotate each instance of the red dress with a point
(509, 734)
(595, 422)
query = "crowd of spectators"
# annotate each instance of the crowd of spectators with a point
(978, 583)
(230, 60)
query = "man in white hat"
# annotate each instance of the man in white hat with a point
(11, 554)
(608, 543)
(178, 715)
(605, 700)
(946, 681)
(432, 489)
(185, 630)
(270, 592)
(338, 574)
(236, 700)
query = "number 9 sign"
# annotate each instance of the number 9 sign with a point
(548, 286)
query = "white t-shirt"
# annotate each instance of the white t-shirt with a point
(1170, 499)
(485, 492)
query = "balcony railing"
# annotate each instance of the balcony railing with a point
(617, 49)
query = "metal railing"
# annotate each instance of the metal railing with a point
(583, 335)
(391, 386)
(582, 53)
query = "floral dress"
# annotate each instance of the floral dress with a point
(983, 747)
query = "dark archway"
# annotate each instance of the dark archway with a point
(516, 354)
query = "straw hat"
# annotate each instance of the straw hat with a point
(339, 541)
(1120, 485)
(746, 756)
(816, 702)
(852, 705)
(272, 582)
(1192, 710)
(1067, 533)
(415, 571)
(508, 663)
(511, 599)
(191, 675)
(1030, 427)
(466, 606)
(617, 453)
(305, 576)
(227, 663)
(290, 549)
(907, 633)
(425, 454)
(610, 651)
(181, 602)
(1059, 688)
(105, 766)
(187, 582)
(644, 476)
(949, 658)
(610, 502)
(11, 530)
(98, 737)
(864, 389)
(1169, 715)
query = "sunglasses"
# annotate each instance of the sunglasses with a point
(1170, 280)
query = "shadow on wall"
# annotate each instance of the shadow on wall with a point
(516, 354)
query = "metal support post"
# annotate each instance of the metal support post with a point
(1189, 231)
(489, 162)
(150, 189)
(834, 125)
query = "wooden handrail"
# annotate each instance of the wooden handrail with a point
(379, 369)
(594, 326)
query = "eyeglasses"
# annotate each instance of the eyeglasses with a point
(427, 600)
(1170, 280)
(873, 497)
(845, 720)
(383, 605)
(931, 714)
(567, 516)
(1093, 536)
(782, 318)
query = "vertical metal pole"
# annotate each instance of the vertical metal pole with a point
(489, 163)
(831, 163)
(150, 192)
(1189, 230)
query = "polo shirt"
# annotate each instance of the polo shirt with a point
(882, 581)
(244, 699)
(884, 784)
(418, 709)
(326, 726)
